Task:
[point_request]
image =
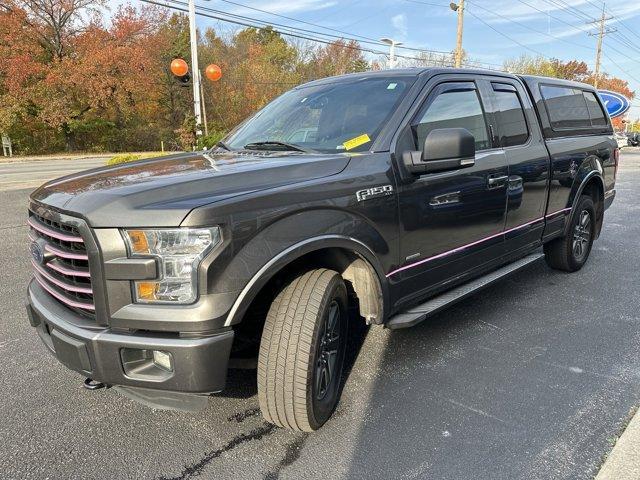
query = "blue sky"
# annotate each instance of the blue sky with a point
(495, 30)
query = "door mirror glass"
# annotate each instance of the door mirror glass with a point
(444, 149)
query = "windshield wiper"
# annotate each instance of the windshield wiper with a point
(270, 144)
(221, 144)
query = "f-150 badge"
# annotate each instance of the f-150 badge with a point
(368, 193)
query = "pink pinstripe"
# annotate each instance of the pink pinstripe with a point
(459, 249)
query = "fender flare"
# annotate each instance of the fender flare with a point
(295, 251)
(578, 192)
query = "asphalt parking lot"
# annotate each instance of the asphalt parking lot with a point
(531, 379)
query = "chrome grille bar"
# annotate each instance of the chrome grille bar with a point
(66, 276)
(66, 254)
(62, 298)
(54, 265)
(60, 283)
(52, 233)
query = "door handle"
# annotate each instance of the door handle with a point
(497, 182)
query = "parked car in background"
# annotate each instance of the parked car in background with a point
(633, 139)
(622, 140)
(379, 197)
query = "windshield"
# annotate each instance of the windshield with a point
(334, 117)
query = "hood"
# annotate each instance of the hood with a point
(160, 192)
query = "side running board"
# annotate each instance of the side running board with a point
(417, 314)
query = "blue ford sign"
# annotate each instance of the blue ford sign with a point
(615, 103)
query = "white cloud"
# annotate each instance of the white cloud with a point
(399, 22)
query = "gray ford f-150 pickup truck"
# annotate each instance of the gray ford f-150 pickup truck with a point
(381, 197)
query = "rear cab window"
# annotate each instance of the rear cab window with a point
(567, 107)
(573, 109)
(598, 117)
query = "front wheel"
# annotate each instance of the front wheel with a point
(570, 252)
(302, 351)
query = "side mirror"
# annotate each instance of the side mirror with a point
(444, 149)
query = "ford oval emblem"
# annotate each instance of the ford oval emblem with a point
(615, 103)
(37, 253)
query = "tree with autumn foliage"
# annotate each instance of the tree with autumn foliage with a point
(75, 83)
(69, 80)
(72, 78)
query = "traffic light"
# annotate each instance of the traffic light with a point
(184, 80)
(213, 72)
(180, 70)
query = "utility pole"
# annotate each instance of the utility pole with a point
(204, 109)
(392, 50)
(193, 34)
(460, 9)
(602, 31)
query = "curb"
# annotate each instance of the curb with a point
(623, 463)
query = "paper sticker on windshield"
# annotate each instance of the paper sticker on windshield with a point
(356, 142)
(392, 86)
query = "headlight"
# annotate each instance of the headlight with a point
(179, 252)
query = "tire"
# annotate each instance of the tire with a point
(571, 252)
(302, 351)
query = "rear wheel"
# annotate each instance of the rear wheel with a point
(302, 351)
(570, 252)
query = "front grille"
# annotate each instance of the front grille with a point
(65, 274)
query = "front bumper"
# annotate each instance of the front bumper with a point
(199, 364)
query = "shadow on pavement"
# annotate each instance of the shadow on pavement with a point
(489, 382)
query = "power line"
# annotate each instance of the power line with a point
(488, 25)
(367, 17)
(293, 19)
(295, 32)
(620, 68)
(428, 3)
(530, 28)
(505, 35)
(255, 23)
(288, 27)
(597, 7)
(292, 33)
(552, 16)
(623, 40)
(572, 10)
(312, 35)
(370, 39)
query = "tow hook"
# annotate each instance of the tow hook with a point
(91, 384)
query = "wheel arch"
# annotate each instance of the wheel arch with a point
(353, 259)
(593, 185)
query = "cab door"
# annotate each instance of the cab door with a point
(529, 164)
(451, 222)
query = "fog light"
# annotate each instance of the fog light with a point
(163, 360)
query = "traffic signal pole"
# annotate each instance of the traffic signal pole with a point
(195, 70)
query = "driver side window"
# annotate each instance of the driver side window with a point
(453, 109)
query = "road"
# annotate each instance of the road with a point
(530, 379)
(20, 175)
